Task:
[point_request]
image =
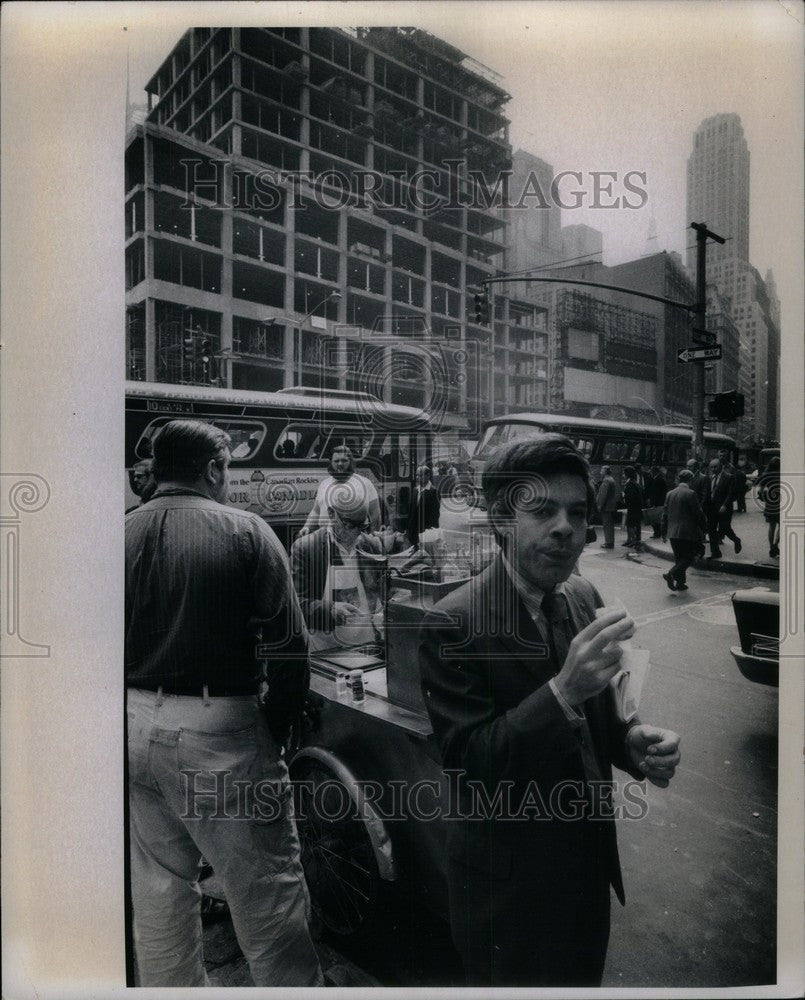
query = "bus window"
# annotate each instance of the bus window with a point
(631, 451)
(299, 442)
(493, 436)
(499, 434)
(585, 446)
(612, 451)
(404, 470)
(650, 453)
(676, 453)
(246, 436)
(422, 451)
(518, 431)
(357, 439)
(385, 455)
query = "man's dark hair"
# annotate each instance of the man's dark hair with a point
(629, 472)
(685, 475)
(182, 449)
(509, 475)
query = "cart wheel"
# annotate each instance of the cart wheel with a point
(337, 856)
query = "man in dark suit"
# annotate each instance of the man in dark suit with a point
(700, 484)
(424, 512)
(633, 499)
(720, 506)
(515, 668)
(683, 521)
(657, 491)
(607, 501)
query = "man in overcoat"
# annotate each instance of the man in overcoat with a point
(515, 669)
(607, 501)
(683, 522)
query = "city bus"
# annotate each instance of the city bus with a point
(602, 442)
(281, 443)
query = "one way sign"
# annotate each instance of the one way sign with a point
(698, 354)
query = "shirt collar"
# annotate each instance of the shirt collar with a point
(179, 491)
(532, 596)
(341, 548)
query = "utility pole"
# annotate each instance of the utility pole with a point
(700, 322)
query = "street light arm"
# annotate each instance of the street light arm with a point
(641, 400)
(331, 295)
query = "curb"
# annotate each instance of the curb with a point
(762, 571)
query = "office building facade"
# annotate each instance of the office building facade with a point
(309, 205)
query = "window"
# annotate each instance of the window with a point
(313, 442)
(246, 436)
(585, 446)
(621, 451)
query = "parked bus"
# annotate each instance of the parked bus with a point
(282, 442)
(602, 442)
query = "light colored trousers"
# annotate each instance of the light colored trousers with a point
(206, 778)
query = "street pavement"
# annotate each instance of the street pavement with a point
(700, 866)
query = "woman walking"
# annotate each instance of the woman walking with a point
(769, 495)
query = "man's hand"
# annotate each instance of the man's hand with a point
(594, 657)
(304, 530)
(342, 611)
(655, 752)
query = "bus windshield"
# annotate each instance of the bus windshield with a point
(499, 434)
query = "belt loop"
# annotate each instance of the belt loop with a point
(159, 696)
(206, 694)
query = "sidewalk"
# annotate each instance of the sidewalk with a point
(754, 559)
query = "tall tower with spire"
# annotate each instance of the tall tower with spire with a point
(718, 186)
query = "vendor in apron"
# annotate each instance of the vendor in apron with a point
(338, 572)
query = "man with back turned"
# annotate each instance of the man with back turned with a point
(515, 669)
(206, 774)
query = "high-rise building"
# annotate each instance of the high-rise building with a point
(604, 347)
(534, 221)
(718, 186)
(755, 310)
(582, 243)
(723, 375)
(718, 194)
(304, 205)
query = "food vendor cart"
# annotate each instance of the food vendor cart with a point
(367, 775)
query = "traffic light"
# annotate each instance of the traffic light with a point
(482, 308)
(726, 406)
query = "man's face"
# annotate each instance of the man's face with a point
(341, 461)
(347, 526)
(140, 479)
(715, 467)
(220, 486)
(547, 537)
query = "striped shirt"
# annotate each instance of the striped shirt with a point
(202, 579)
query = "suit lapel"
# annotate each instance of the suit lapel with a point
(516, 629)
